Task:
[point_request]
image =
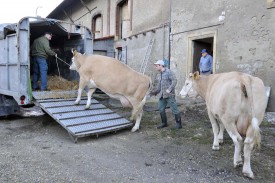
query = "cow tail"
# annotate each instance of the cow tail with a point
(150, 86)
(254, 122)
(257, 134)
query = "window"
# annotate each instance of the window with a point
(97, 26)
(123, 16)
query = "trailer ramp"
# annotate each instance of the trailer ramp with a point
(75, 119)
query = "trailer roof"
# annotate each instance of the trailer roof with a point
(6, 29)
(48, 25)
(38, 27)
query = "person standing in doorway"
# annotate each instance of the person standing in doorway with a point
(206, 63)
(166, 87)
(40, 50)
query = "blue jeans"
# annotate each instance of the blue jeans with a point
(171, 101)
(40, 66)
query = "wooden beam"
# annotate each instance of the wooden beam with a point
(67, 15)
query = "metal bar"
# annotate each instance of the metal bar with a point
(73, 108)
(96, 126)
(87, 120)
(74, 114)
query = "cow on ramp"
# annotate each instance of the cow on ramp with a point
(113, 78)
(236, 102)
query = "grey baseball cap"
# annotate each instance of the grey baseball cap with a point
(159, 62)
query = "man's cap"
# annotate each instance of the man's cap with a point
(49, 33)
(203, 51)
(159, 62)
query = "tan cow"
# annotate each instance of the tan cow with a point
(236, 102)
(113, 78)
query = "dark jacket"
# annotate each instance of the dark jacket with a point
(41, 47)
(166, 81)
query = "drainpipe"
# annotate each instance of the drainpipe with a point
(169, 32)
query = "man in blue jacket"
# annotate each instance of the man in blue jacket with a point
(206, 63)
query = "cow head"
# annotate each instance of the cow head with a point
(74, 65)
(187, 89)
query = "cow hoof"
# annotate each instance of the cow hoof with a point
(87, 108)
(238, 164)
(76, 103)
(220, 141)
(215, 148)
(249, 175)
(134, 129)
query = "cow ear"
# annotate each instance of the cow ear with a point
(74, 53)
(196, 75)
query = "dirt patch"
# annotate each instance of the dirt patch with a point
(197, 135)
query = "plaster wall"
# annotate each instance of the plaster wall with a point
(138, 45)
(149, 13)
(149, 21)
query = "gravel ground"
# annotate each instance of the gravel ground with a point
(38, 149)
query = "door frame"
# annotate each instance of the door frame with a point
(190, 50)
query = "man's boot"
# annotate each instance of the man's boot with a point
(178, 121)
(163, 120)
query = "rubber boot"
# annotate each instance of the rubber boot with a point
(163, 120)
(178, 121)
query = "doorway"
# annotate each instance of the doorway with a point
(196, 43)
(198, 46)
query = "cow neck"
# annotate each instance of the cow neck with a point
(79, 61)
(201, 85)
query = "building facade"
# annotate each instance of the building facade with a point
(238, 34)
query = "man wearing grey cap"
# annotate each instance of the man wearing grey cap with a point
(40, 50)
(206, 63)
(166, 87)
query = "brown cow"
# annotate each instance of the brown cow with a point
(236, 102)
(115, 79)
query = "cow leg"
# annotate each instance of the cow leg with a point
(220, 135)
(89, 94)
(80, 89)
(137, 124)
(215, 129)
(237, 140)
(248, 147)
(137, 112)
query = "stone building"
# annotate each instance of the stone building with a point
(237, 33)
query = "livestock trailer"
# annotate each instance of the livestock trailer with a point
(16, 73)
(15, 59)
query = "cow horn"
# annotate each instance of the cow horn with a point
(196, 75)
(74, 52)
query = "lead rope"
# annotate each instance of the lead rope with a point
(62, 60)
(57, 68)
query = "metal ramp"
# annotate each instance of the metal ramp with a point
(75, 119)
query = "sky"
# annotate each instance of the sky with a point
(11, 11)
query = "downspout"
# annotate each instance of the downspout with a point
(169, 36)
